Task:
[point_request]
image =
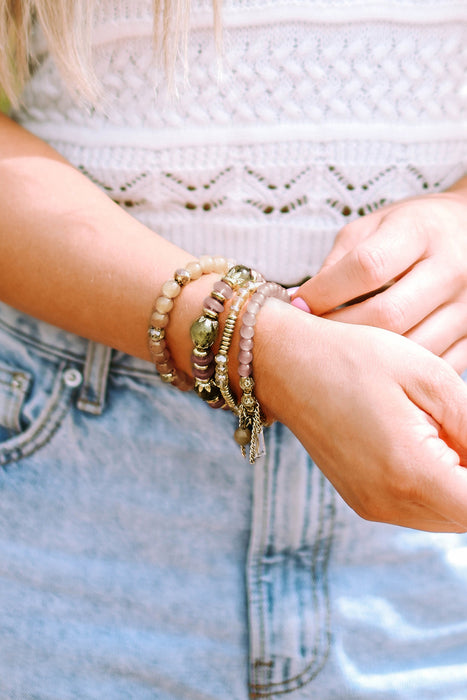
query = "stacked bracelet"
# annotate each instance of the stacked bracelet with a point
(205, 329)
(158, 349)
(250, 418)
(222, 358)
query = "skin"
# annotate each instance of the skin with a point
(415, 251)
(384, 418)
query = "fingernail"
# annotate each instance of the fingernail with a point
(301, 304)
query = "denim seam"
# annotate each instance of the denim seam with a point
(42, 430)
(264, 690)
(96, 370)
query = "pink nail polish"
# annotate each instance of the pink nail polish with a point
(301, 304)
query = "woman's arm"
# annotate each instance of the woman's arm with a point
(370, 407)
(70, 256)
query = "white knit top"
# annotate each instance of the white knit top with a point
(320, 111)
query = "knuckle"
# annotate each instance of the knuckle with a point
(370, 265)
(389, 313)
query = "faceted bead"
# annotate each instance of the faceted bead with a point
(242, 436)
(156, 334)
(164, 305)
(223, 288)
(171, 289)
(159, 320)
(238, 275)
(194, 269)
(202, 361)
(221, 360)
(204, 331)
(213, 305)
(204, 373)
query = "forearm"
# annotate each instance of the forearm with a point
(72, 257)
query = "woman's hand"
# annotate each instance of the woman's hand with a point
(383, 418)
(414, 255)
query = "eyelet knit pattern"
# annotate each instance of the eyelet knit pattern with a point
(318, 111)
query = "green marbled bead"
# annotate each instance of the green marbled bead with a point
(238, 275)
(204, 331)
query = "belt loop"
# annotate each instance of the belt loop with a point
(96, 369)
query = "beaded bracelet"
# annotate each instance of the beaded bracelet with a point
(250, 418)
(158, 349)
(222, 358)
(205, 329)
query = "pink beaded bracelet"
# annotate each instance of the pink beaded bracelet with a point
(250, 418)
(164, 303)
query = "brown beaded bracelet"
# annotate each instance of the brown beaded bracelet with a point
(250, 417)
(164, 303)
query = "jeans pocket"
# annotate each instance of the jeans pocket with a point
(31, 411)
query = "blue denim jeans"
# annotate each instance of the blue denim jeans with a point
(142, 558)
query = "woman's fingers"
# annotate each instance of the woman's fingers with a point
(456, 356)
(369, 266)
(406, 303)
(443, 328)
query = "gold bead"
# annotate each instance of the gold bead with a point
(242, 436)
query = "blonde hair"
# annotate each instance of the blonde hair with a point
(67, 26)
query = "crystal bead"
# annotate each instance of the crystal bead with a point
(204, 332)
(238, 275)
(156, 334)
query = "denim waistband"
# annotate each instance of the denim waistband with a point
(93, 359)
